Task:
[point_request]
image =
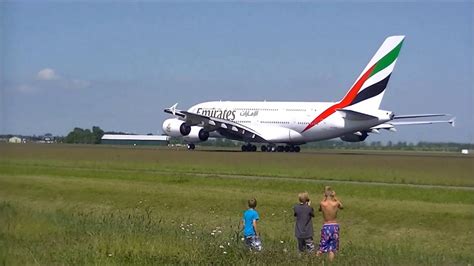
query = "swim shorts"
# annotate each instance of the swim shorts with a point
(329, 238)
(253, 242)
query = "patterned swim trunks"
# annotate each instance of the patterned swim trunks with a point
(329, 238)
(254, 243)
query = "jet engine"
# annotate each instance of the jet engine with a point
(174, 127)
(197, 134)
(355, 137)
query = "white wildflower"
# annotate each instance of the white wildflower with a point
(225, 252)
(221, 246)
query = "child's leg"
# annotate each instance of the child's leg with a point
(331, 256)
(301, 244)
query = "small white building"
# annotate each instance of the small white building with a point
(135, 140)
(14, 140)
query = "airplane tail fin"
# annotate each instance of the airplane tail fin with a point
(367, 91)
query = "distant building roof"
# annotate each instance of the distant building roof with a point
(14, 140)
(135, 137)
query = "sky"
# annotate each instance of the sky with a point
(117, 65)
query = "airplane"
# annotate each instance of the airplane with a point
(283, 126)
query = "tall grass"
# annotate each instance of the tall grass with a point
(57, 208)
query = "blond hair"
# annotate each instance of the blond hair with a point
(303, 197)
(328, 191)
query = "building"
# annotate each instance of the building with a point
(14, 140)
(135, 140)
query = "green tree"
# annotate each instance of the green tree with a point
(85, 136)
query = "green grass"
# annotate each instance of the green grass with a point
(64, 204)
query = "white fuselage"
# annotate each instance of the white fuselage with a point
(287, 122)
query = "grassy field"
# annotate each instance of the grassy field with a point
(63, 204)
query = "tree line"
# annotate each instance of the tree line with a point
(84, 136)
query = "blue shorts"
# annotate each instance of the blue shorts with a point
(329, 238)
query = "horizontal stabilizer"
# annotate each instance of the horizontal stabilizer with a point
(422, 122)
(354, 115)
(418, 116)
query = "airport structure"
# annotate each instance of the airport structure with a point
(135, 140)
(14, 140)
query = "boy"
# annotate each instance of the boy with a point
(330, 231)
(304, 214)
(249, 220)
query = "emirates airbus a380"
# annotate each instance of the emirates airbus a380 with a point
(283, 126)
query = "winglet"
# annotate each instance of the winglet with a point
(452, 121)
(173, 108)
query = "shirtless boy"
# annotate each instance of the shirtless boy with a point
(329, 206)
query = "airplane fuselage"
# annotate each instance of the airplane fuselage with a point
(285, 122)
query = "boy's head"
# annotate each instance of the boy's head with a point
(328, 191)
(303, 197)
(252, 203)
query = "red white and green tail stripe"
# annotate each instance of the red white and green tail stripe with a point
(367, 92)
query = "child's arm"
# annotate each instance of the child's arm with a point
(340, 205)
(255, 227)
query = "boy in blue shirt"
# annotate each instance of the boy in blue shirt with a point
(249, 221)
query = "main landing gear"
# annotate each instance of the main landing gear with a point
(191, 146)
(286, 148)
(271, 148)
(249, 147)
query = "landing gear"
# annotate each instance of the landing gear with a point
(271, 148)
(268, 148)
(191, 146)
(249, 147)
(281, 148)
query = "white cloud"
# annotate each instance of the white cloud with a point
(48, 79)
(47, 74)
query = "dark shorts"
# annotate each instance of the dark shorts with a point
(329, 238)
(305, 244)
(253, 242)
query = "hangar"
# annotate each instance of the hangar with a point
(135, 140)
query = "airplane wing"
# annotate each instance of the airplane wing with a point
(224, 127)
